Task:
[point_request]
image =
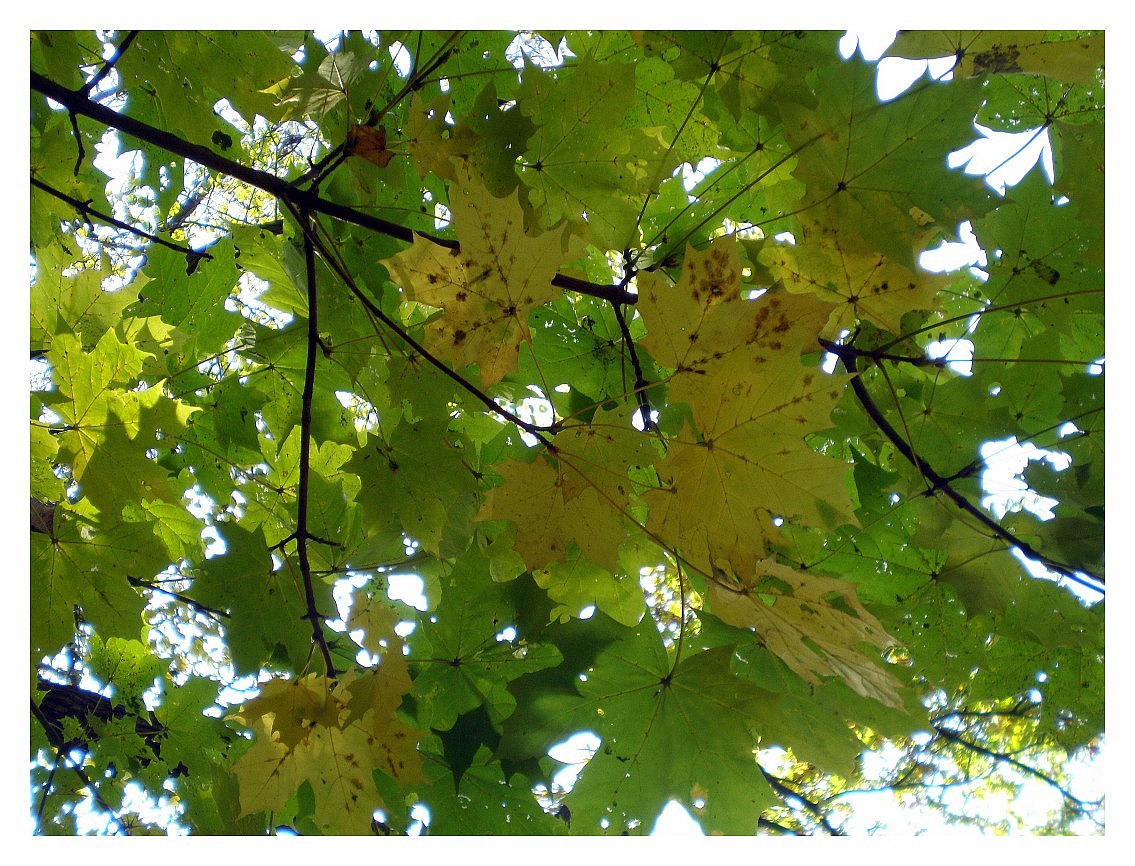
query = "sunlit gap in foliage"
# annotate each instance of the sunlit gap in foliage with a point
(671, 603)
(406, 587)
(985, 791)
(1006, 491)
(536, 409)
(534, 48)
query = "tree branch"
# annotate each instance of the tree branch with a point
(640, 384)
(184, 599)
(782, 790)
(302, 535)
(77, 102)
(109, 65)
(1006, 758)
(492, 405)
(848, 356)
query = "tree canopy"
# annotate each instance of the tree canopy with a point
(620, 344)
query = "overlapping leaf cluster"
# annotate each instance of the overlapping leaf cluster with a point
(341, 380)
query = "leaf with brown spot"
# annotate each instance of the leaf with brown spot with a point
(863, 286)
(488, 288)
(737, 364)
(332, 739)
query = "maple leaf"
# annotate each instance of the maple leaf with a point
(661, 730)
(980, 52)
(332, 739)
(815, 624)
(758, 690)
(87, 396)
(859, 173)
(703, 329)
(487, 288)
(376, 619)
(864, 286)
(369, 143)
(77, 304)
(372, 701)
(434, 144)
(538, 498)
(583, 496)
(577, 583)
(84, 564)
(737, 364)
(580, 163)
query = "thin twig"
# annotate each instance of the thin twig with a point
(85, 210)
(184, 599)
(78, 136)
(536, 430)
(37, 714)
(109, 65)
(1006, 758)
(782, 790)
(640, 384)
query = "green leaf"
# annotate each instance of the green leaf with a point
(624, 325)
(641, 709)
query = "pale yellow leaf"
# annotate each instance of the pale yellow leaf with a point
(816, 625)
(550, 509)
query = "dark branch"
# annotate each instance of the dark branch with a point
(640, 384)
(781, 788)
(848, 356)
(78, 136)
(492, 405)
(1007, 758)
(77, 102)
(109, 65)
(184, 599)
(302, 535)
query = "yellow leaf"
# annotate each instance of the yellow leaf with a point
(702, 325)
(373, 699)
(550, 510)
(334, 740)
(737, 363)
(582, 495)
(376, 619)
(487, 288)
(294, 707)
(266, 772)
(864, 287)
(598, 454)
(802, 624)
(434, 144)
